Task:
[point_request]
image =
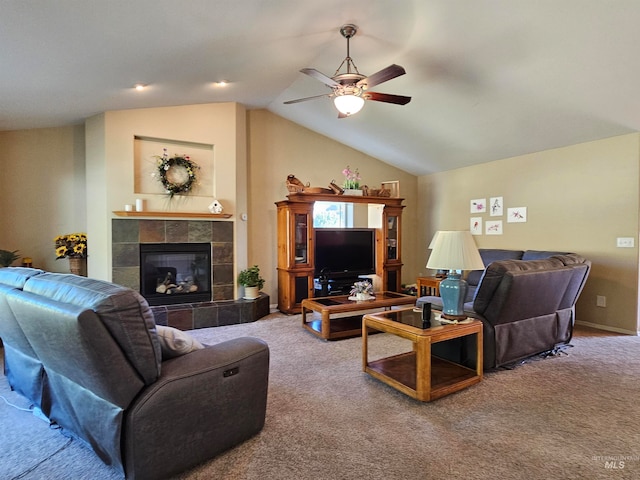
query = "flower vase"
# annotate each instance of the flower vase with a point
(353, 191)
(77, 266)
(362, 296)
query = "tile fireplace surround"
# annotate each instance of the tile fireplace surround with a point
(128, 234)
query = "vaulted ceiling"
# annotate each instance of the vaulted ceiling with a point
(489, 79)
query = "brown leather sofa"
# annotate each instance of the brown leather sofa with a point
(526, 307)
(89, 354)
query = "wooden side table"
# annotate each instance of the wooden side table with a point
(418, 373)
(431, 286)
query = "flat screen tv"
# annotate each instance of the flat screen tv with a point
(345, 252)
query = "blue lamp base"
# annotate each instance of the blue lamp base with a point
(453, 290)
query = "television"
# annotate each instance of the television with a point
(345, 252)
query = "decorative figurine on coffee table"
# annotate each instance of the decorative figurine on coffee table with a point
(362, 290)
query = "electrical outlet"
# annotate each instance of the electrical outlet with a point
(624, 242)
(601, 301)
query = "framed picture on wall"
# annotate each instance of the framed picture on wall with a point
(478, 205)
(475, 225)
(495, 206)
(393, 186)
(493, 227)
(517, 215)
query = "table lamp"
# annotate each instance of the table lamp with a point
(454, 251)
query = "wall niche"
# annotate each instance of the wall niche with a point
(145, 164)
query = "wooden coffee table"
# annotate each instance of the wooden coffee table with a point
(418, 373)
(334, 324)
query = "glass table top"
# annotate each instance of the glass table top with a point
(413, 317)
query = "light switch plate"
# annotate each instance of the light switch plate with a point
(624, 242)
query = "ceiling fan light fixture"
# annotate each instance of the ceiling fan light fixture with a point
(348, 104)
(351, 88)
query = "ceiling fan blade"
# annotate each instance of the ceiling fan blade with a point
(289, 102)
(384, 75)
(312, 72)
(387, 97)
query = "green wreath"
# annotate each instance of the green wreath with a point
(177, 174)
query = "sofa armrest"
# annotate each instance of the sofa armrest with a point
(203, 403)
(436, 302)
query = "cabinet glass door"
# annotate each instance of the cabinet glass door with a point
(301, 228)
(392, 237)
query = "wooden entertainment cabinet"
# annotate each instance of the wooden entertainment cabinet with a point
(296, 253)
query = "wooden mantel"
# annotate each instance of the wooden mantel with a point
(123, 213)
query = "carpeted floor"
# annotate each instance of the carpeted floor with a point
(570, 416)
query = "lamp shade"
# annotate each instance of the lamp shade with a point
(433, 240)
(454, 250)
(348, 104)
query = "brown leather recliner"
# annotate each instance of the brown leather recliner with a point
(103, 377)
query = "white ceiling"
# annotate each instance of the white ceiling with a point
(490, 79)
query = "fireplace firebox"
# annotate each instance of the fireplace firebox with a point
(173, 273)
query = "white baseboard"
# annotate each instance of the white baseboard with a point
(607, 328)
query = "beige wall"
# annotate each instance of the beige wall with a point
(110, 173)
(277, 148)
(579, 199)
(58, 195)
(41, 191)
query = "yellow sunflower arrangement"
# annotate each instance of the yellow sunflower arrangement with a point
(72, 245)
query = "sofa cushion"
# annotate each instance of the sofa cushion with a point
(175, 342)
(124, 312)
(490, 255)
(495, 272)
(17, 276)
(540, 254)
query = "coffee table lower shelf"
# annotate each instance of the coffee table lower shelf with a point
(342, 327)
(399, 372)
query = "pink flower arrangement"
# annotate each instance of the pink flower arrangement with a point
(352, 178)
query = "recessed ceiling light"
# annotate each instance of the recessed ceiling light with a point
(139, 86)
(221, 83)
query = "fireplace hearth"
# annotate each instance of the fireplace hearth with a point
(220, 308)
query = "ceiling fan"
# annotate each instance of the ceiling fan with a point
(351, 89)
